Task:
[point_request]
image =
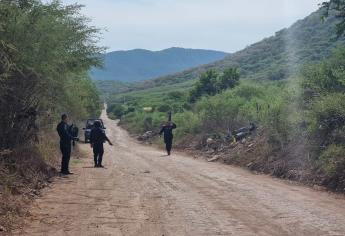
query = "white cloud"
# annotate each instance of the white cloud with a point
(227, 25)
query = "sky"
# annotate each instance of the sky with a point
(224, 25)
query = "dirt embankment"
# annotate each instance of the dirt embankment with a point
(256, 153)
(22, 176)
(24, 172)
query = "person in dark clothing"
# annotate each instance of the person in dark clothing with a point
(65, 143)
(167, 129)
(97, 138)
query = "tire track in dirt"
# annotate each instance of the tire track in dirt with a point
(143, 193)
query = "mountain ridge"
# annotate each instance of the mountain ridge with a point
(307, 39)
(142, 64)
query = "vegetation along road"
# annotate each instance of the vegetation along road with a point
(142, 192)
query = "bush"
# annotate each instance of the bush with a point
(175, 95)
(140, 122)
(326, 116)
(211, 83)
(117, 110)
(325, 77)
(164, 108)
(332, 161)
(187, 123)
(55, 79)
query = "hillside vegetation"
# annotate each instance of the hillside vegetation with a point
(46, 51)
(300, 114)
(274, 58)
(140, 64)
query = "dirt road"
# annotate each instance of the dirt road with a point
(142, 192)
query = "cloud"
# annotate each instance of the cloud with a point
(227, 25)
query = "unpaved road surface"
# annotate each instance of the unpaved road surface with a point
(142, 192)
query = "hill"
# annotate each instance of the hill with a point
(140, 64)
(274, 58)
(292, 90)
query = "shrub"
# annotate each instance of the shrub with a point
(327, 115)
(164, 108)
(117, 109)
(333, 159)
(187, 123)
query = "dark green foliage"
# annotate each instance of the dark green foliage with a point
(229, 79)
(175, 95)
(323, 93)
(325, 77)
(45, 53)
(339, 7)
(117, 109)
(211, 83)
(332, 161)
(164, 108)
(328, 118)
(130, 109)
(324, 96)
(207, 85)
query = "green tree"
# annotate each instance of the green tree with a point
(229, 79)
(46, 50)
(339, 7)
(207, 85)
(211, 83)
(325, 77)
(117, 109)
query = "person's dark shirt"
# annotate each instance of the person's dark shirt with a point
(98, 136)
(63, 131)
(167, 130)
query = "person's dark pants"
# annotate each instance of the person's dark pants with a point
(98, 152)
(66, 156)
(168, 145)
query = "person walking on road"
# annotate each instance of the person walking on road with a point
(97, 138)
(66, 139)
(167, 129)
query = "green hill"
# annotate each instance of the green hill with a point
(273, 58)
(139, 64)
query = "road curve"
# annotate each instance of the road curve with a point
(142, 192)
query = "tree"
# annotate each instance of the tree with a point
(46, 51)
(326, 77)
(117, 109)
(339, 7)
(229, 79)
(211, 83)
(205, 86)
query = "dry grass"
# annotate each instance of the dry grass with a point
(256, 154)
(23, 172)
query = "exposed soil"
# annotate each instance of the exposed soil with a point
(143, 192)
